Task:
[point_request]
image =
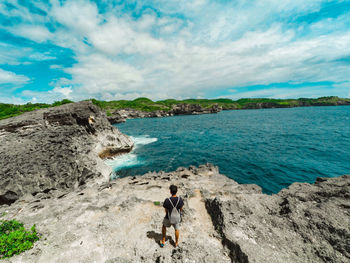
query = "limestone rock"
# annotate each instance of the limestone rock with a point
(223, 221)
(56, 148)
(304, 223)
(122, 115)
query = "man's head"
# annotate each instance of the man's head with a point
(173, 189)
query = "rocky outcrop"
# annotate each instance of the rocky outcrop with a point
(223, 221)
(56, 148)
(122, 115)
(193, 109)
(297, 103)
(304, 223)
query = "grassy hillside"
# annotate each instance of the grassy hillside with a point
(144, 104)
(11, 110)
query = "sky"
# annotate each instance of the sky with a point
(114, 49)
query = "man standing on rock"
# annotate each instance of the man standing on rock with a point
(173, 209)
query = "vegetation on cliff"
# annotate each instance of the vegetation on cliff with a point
(147, 105)
(144, 104)
(11, 110)
(14, 238)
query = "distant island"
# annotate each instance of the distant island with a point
(144, 107)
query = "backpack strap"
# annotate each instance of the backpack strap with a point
(178, 199)
(171, 202)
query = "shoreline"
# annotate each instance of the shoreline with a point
(121, 115)
(60, 186)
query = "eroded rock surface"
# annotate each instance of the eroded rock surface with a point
(122, 115)
(223, 221)
(56, 148)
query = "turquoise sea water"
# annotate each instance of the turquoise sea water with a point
(271, 147)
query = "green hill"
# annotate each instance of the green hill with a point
(145, 104)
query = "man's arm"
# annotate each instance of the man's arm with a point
(164, 205)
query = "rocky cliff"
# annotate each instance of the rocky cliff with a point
(56, 148)
(223, 221)
(122, 115)
(52, 175)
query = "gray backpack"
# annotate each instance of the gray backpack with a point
(174, 216)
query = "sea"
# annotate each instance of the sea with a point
(272, 148)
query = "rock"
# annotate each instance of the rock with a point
(121, 115)
(193, 109)
(304, 223)
(223, 221)
(56, 148)
(116, 118)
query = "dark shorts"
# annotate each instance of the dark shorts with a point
(166, 223)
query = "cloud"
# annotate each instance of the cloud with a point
(8, 77)
(180, 49)
(287, 92)
(98, 74)
(65, 91)
(36, 33)
(55, 94)
(54, 66)
(13, 55)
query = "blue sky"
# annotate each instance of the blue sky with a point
(113, 49)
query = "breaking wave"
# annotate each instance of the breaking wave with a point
(131, 159)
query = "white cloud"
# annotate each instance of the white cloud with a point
(54, 66)
(8, 77)
(36, 33)
(55, 94)
(65, 91)
(12, 55)
(79, 16)
(40, 56)
(211, 45)
(294, 92)
(98, 74)
(11, 100)
(182, 69)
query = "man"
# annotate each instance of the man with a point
(169, 204)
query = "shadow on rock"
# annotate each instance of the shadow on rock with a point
(158, 237)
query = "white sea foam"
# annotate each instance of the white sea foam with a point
(143, 140)
(122, 161)
(130, 159)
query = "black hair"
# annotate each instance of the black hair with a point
(173, 189)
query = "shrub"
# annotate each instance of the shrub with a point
(14, 238)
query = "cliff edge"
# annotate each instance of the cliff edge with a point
(223, 221)
(56, 148)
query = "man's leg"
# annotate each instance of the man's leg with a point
(164, 233)
(177, 234)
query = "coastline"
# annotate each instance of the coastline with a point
(52, 176)
(121, 115)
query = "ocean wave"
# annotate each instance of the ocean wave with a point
(131, 159)
(124, 161)
(143, 140)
